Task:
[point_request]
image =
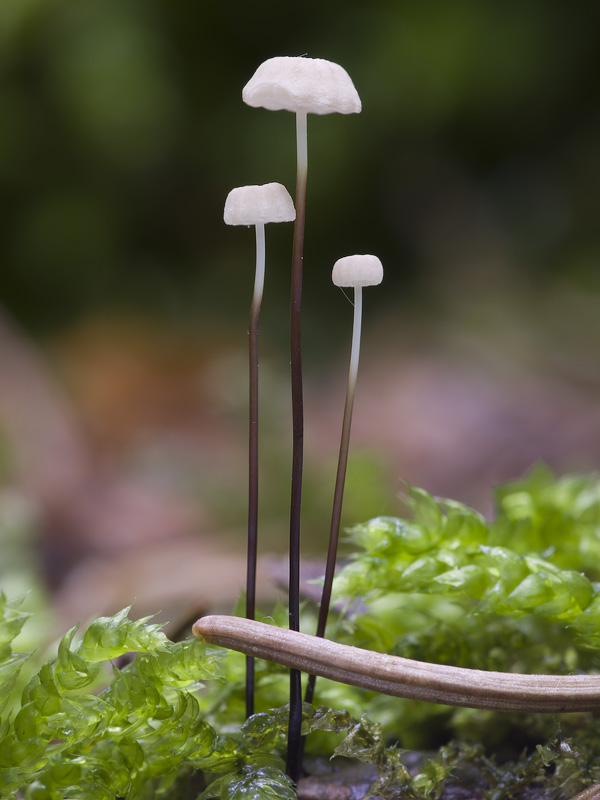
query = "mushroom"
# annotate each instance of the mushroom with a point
(296, 83)
(255, 205)
(302, 85)
(356, 271)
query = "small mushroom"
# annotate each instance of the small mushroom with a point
(255, 205)
(302, 85)
(294, 83)
(356, 271)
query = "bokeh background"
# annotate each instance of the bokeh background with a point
(472, 172)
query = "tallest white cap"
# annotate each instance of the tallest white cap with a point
(295, 83)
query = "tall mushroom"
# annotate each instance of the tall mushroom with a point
(302, 85)
(356, 271)
(255, 205)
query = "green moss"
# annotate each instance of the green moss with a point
(443, 586)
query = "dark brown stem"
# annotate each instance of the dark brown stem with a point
(295, 720)
(333, 534)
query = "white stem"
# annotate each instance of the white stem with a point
(301, 142)
(259, 278)
(355, 351)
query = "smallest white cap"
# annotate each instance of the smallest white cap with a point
(253, 205)
(357, 271)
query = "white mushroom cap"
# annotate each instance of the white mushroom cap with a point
(357, 271)
(252, 205)
(294, 82)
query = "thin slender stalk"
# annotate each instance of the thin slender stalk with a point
(259, 282)
(403, 677)
(295, 719)
(340, 480)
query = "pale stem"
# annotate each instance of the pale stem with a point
(295, 718)
(259, 281)
(338, 495)
(259, 278)
(403, 677)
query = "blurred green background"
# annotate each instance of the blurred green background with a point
(472, 172)
(123, 130)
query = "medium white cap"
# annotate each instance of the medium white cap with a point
(252, 205)
(357, 271)
(294, 82)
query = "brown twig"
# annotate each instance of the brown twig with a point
(402, 677)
